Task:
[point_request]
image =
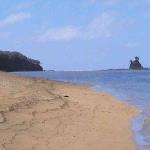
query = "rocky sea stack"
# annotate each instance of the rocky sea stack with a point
(15, 61)
(136, 65)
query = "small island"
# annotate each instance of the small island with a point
(15, 61)
(136, 65)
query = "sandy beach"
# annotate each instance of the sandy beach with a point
(37, 114)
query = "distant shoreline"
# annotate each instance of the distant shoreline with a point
(145, 69)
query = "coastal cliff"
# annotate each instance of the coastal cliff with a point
(15, 61)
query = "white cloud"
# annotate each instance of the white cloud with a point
(65, 33)
(101, 26)
(14, 18)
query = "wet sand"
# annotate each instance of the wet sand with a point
(37, 114)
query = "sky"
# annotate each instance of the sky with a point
(77, 34)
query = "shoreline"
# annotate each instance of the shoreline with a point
(40, 114)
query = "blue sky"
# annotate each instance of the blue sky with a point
(77, 34)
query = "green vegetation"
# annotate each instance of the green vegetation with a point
(15, 61)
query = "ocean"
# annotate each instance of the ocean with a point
(132, 87)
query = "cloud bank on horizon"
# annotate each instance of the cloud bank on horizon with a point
(77, 35)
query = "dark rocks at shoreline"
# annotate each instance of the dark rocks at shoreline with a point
(136, 65)
(15, 61)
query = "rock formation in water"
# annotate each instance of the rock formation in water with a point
(15, 61)
(135, 65)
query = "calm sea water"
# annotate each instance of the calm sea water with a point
(132, 87)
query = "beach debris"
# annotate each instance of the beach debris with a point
(66, 96)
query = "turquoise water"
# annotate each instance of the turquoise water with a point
(132, 87)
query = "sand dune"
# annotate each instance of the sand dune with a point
(36, 114)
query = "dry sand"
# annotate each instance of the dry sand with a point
(36, 114)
